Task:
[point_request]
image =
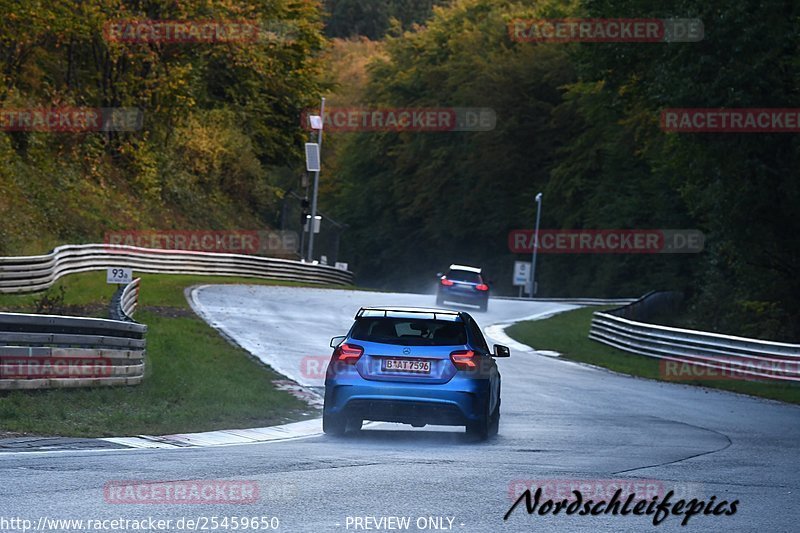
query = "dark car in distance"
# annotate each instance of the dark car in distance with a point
(463, 284)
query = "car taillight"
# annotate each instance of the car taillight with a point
(446, 282)
(347, 353)
(464, 359)
(482, 287)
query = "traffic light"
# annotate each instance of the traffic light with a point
(304, 216)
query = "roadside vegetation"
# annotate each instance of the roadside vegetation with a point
(195, 379)
(580, 122)
(568, 334)
(221, 141)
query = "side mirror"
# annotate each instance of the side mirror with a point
(336, 341)
(501, 351)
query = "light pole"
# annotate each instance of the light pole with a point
(312, 223)
(535, 244)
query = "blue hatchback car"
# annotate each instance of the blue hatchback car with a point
(415, 366)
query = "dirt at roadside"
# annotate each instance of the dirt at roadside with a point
(91, 310)
(14, 434)
(167, 311)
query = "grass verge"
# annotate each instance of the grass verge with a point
(195, 380)
(567, 333)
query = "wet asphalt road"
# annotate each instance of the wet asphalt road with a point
(561, 422)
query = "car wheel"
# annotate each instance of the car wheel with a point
(485, 306)
(334, 424)
(494, 427)
(355, 424)
(480, 428)
(494, 424)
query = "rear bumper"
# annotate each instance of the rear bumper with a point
(453, 403)
(474, 297)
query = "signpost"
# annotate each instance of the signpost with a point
(315, 168)
(119, 275)
(535, 245)
(522, 275)
(312, 157)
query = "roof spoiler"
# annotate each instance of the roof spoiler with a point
(433, 312)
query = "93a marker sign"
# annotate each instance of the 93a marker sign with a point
(119, 275)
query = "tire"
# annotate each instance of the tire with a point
(484, 306)
(355, 424)
(480, 428)
(333, 424)
(494, 422)
(494, 426)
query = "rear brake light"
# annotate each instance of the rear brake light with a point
(482, 287)
(446, 282)
(464, 359)
(347, 353)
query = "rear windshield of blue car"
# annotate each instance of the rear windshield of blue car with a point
(464, 275)
(409, 331)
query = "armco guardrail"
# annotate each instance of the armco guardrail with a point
(130, 299)
(36, 273)
(573, 301)
(125, 301)
(46, 351)
(713, 351)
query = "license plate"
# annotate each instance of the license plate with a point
(416, 366)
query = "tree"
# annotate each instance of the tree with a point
(418, 201)
(372, 18)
